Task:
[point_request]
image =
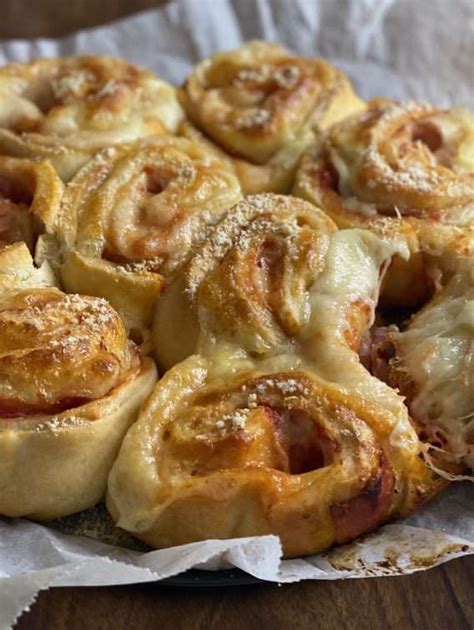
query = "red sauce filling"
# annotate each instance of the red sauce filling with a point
(305, 443)
(17, 408)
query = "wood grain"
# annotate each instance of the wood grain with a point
(439, 599)
(53, 18)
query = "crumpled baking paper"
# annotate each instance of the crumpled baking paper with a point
(419, 49)
(396, 48)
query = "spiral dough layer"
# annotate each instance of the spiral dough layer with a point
(271, 424)
(70, 386)
(403, 171)
(67, 109)
(262, 106)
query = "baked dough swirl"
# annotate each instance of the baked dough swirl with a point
(67, 109)
(248, 283)
(398, 169)
(131, 217)
(30, 196)
(272, 425)
(261, 105)
(70, 386)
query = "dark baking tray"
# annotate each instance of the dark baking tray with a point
(195, 578)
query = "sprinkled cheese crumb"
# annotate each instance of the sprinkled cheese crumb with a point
(232, 421)
(108, 89)
(147, 265)
(289, 387)
(237, 230)
(252, 118)
(238, 421)
(252, 400)
(71, 84)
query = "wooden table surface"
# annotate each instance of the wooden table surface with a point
(439, 599)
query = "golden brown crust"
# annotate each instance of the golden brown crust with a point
(70, 386)
(403, 171)
(30, 195)
(131, 217)
(261, 106)
(273, 425)
(282, 453)
(267, 421)
(249, 280)
(58, 350)
(67, 109)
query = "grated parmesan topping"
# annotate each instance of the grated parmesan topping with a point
(57, 422)
(235, 230)
(111, 87)
(412, 174)
(137, 266)
(247, 75)
(92, 314)
(285, 77)
(252, 118)
(71, 84)
(288, 387)
(233, 421)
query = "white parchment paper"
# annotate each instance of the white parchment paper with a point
(421, 49)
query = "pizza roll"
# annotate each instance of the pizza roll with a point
(70, 386)
(250, 281)
(398, 169)
(273, 425)
(254, 453)
(132, 216)
(261, 106)
(67, 109)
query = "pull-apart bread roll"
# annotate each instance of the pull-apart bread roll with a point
(30, 196)
(431, 362)
(67, 109)
(262, 106)
(272, 425)
(254, 272)
(398, 169)
(131, 217)
(70, 386)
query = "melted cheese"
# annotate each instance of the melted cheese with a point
(437, 351)
(353, 275)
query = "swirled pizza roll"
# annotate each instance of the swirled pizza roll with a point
(222, 455)
(69, 108)
(431, 362)
(261, 106)
(398, 169)
(253, 280)
(133, 215)
(70, 386)
(273, 425)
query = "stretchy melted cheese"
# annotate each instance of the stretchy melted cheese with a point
(435, 354)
